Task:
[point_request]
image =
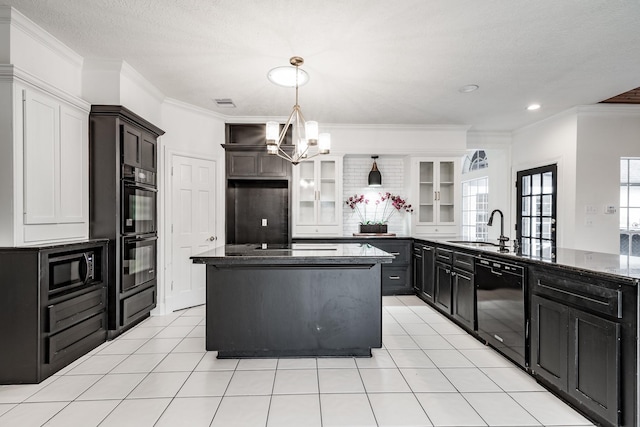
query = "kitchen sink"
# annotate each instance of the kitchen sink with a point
(473, 243)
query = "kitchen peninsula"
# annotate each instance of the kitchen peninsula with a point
(293, 300)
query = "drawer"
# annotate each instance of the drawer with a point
(401, 250)
(581, 292)
(77, 340)
(69, 312)
(444, 255)
(396, 280)
(464, 261)
(138, 305)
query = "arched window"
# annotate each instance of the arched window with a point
(476, 161)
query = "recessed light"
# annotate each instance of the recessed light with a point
(468, 88)
(533, 107)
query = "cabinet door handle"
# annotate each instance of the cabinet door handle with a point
(395, 253)
(394, 277)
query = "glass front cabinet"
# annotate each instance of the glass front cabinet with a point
(437, 186)
(317, 197)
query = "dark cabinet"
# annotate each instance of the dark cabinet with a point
(443, 280)
(138, 148)
(122, 208)
(53, 307)
(256, 163)
(396, 277)
(578, 346)
(463, 290)
(454, 290)
(423, 270)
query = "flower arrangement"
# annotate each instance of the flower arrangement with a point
(385, 206)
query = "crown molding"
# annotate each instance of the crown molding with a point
(606, 109)
(140, 80)
(11, 73)
(198, 110)
(21, 22)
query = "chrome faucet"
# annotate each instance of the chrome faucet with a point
(502, 239)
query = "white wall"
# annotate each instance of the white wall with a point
(547, 142)
(355, 181)
(605, 134)
(370, 140)
(497, 146)
(36, 52)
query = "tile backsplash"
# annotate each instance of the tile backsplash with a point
(355, 175)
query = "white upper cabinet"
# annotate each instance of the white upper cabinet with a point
(437, 185)
(50, 175)
(317, 197)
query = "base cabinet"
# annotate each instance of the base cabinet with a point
(423, 270)
(579, 353)
(584, 342)
(50, 315)
(464, 298)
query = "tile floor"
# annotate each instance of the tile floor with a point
(430, 372)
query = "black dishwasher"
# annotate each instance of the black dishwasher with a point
(502, 309)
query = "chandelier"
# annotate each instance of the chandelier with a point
(307, 143)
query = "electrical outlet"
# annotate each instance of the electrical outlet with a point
(264, 222)
(588, 222)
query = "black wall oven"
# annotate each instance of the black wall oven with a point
(139, 200)
(138, 260)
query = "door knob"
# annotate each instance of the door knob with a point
(212, 238)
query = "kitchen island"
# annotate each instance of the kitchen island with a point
(302, 300)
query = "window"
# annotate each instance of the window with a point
(475, 209)
(536, 210)
(630, 206)
(475, 161)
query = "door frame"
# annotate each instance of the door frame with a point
(551, 167)
(165, 201)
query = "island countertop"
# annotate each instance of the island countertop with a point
(297, 253)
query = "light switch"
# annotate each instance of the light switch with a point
(264, 222)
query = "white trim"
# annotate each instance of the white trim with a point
(15, 74)
(607, 109)
(17, 19)
(130, 72)
(197, 110)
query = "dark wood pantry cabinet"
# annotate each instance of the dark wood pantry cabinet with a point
(123, 181)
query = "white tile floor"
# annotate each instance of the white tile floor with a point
(430, 372)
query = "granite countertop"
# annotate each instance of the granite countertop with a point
(573, 259)
(297, 253)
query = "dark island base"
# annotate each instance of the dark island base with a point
(290, 354)
(293, 311)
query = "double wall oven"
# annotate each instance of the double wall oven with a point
(139, 226)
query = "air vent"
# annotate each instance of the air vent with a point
(224, 103)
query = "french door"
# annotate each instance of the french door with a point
(536, 222)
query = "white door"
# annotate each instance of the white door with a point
(194, 228)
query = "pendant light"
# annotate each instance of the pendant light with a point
(375, 177)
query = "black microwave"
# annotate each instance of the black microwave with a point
(67, 271)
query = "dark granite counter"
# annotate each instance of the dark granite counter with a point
(616, 266)
(611, 265)
(297, 253)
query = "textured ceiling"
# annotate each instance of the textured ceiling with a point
(370, 61)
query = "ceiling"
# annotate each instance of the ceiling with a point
(370, 61)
